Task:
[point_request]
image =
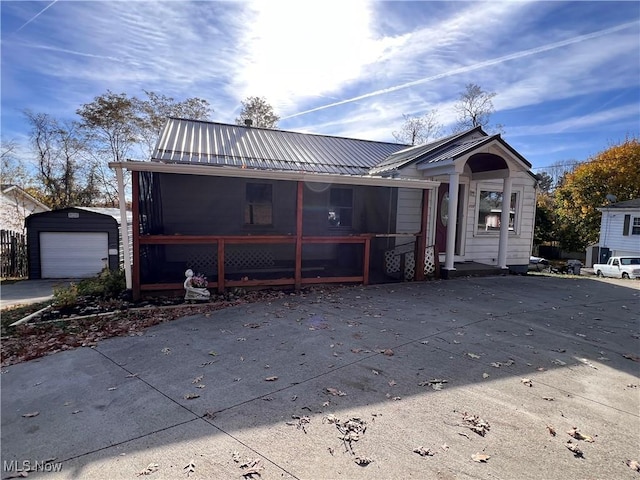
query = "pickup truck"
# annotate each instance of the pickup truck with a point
(619, 267)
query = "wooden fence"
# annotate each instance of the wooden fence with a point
(13, 255)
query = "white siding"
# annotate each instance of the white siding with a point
(611, 228)
(409, 214)
(483, 248)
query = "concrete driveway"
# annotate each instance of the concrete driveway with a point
(423, 365)
(25, 292)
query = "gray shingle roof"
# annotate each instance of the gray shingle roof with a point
(635, 203)
(198, 142)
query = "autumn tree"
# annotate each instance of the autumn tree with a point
(259, 111)
(614, 171)
(12, 170)
(65, 174)
(474, 109)
(418, 130)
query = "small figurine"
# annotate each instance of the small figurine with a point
(195, 287)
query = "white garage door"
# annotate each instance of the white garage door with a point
(72, 254)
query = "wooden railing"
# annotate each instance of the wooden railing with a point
(220, 242)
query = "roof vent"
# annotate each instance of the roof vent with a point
(248, 122)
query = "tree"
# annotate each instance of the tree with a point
(152, 113)
(259, 112)
(419, 130)
(12, 170)
(117, 124)
(474, 109)
(66, 176)
(614, 171)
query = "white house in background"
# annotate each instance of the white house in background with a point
(15, 206)
(620, 229)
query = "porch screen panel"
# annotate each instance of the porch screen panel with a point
(150, 206)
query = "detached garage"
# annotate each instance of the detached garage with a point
(71, 243)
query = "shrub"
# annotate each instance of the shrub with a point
(64, 297)
(107, 284)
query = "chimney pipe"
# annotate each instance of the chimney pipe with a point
(248, 122)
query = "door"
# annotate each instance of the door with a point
(73, 254)
(442, 220)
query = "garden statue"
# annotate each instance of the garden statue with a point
(195, 286)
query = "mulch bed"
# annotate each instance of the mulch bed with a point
(90, 321)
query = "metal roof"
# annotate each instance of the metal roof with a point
(408, 155)
(635, 203)
(454, 150)
(199, 142)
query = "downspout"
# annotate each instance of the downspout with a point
(124, 228)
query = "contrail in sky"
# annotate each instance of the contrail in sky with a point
(37, 15)
(475, 66)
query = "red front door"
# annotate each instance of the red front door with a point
(442, 217)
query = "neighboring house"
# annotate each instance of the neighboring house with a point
(258, 207)
(620, 229)
(16, 206)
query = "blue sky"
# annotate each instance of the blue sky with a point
(566, 74)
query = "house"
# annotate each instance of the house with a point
(15, 206)
(249, 206)
(619, 230)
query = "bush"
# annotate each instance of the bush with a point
(65, 297)
(107, 284)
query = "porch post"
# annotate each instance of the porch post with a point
(135, 211)
(504, 223)
(452, 208)
(124, 228)
(298, 260)
(422, 238)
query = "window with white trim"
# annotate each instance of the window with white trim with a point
(635, 229)
(490, 211)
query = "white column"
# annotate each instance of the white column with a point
(504, 223)
(124, 228)
(454, 182)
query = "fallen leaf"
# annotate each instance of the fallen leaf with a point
(425, 342)
(375, 372)
(213, 353)
(325, 404)
(388, 352)
(496, 364)
(574, 448)
(363, 461)
(485, 375)
(166, 351)
(633, 465)
(356, 350)
(552, 431)
(32, 414)
(191, 396)
(579, 436)
(190, 468)
(201, 385)
(548, 399)
(271, 379)
(131, 375)
(392, 383)
(480, 457)
(76, 411)
(423, 452)
(335, 392)
(235, 456)
(527, 382)
(396, 398)
(444, 447)
(152, 467)
(559, 362)
(631, 356)
(294, 398)
(472, 355)
(111, 389)
(198, 379)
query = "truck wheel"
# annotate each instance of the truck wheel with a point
(625, 275)
(599, 274)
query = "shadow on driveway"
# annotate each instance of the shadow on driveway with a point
(267, 381)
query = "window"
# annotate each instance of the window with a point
(258, 208)
(490, 211)
(341, 207)
(635, 230)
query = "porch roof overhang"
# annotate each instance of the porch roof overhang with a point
(224, 171)
(454, 161)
